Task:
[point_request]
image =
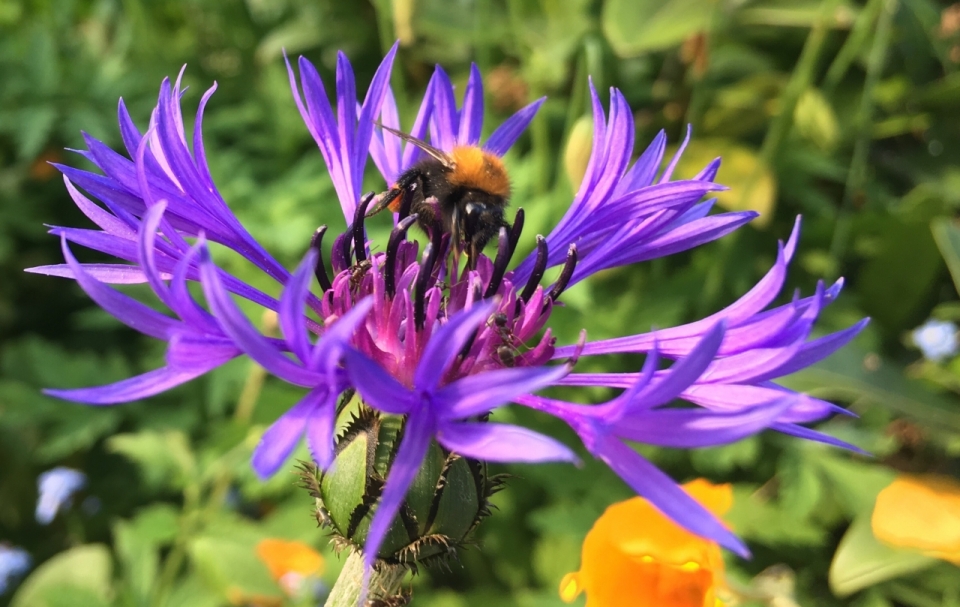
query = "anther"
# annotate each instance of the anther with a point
(393, 245)
(515, 230)
(359, 242)
(423, 278)
(320, 270)
(538, 269)
(340, 254)
(565, 274)
(500, 263)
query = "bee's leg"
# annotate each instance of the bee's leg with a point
(402, 189)
(455, 239)
(481, 222)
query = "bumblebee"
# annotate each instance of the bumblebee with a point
(471, 188)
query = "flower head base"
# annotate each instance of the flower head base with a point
(56, 488)
(420, 337)
(635, 555)
(920, 513)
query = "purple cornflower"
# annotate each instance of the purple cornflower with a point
(14, 562)
(56, 488)
(420, 336)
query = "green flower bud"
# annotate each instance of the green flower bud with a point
(447, 500)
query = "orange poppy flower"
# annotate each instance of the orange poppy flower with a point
(634, 555)
(290, 563)
(921, 513)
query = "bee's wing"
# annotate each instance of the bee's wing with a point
(440, 155)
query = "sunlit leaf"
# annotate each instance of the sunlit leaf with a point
(946, 233)
(81, 574)
(753, 186)
(634, 27)
(861, 560)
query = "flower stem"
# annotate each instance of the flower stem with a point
(384, 582)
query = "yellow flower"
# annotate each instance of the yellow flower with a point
(636, 556)
(290, 563)
(921, 513)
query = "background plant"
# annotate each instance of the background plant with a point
(845, 112)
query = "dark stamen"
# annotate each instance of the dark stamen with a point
(538, 268)
(437, 242)
(423, 277)
(442, 254)
(515, 230)
(359, 242)
(473, 336)
(500, 263)
(565, 274)
(340, 254)
(393, 245)
(320, 270)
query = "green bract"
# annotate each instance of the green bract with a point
(448, 498)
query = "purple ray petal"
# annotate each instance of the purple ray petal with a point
(471, 114)
(446, 344)
(502, 139)
(492, 442)
(320, 427)
(683, 373)
(660, 490)
(110, 273)
(694, 428)
(281, 438)
(371, 107)
(106, 221)
(328, 350)
(478, 394)
(820, 437)
(293, 324)
(417, 433)
(239, 328)
(134, 388)
(445, 123)
(378, 388)
(127, 310)
(189, 350)
(816, 350)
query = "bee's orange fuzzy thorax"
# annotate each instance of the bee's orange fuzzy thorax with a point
(479, 170)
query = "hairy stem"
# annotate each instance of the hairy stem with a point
(384, 583)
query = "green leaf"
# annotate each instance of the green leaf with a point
(757, 518)
(861, 560)
(946, 234)
(164, 458)
(635, 27)
(849, 375)
(157, 523)
(140, 559)
(226, 557)
(78, 577)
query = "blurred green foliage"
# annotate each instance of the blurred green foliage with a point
(845, 111)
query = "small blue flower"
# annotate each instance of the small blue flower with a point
(937, 339)
(56, 488)
(14, 562)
